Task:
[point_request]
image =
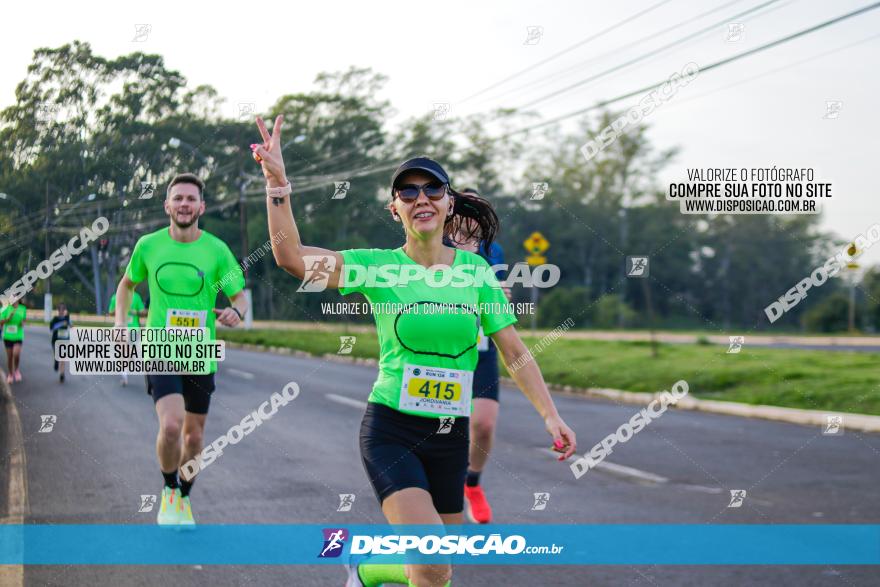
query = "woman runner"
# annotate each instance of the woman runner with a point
(414, 435)
(12, 319)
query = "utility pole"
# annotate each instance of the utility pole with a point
(853, 251)
(536, 245)
(96, 269)
(242, 217)
(646, 289)
(47, 296)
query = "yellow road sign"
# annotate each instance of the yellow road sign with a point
(536, 260)
(536, 243)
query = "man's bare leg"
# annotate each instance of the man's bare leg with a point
(168, 443)
(193, 439)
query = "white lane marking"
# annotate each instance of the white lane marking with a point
(242, 374)
(702, 488)
(620, 470)
(624, 471)
(341, 399)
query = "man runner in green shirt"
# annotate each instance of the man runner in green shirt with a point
(134, 313)
(181, 264)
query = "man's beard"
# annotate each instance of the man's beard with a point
(194, 216)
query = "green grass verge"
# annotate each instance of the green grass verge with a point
(817, 380)
(311, 341)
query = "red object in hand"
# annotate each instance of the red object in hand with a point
(558, 446)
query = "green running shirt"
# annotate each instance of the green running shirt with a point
(13, 331)
(432, 337)
(137, 304)
(184, 279)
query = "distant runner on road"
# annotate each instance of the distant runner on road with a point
(134, 313)
(484, 417)
(60, 328)
(12, 319)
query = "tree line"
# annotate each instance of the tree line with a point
(89, 136)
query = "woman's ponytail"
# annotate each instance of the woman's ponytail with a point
(473, 217)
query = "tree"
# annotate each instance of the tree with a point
(829, 315)
(82, 125)
(870, 288)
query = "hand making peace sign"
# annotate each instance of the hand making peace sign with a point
(268, 154)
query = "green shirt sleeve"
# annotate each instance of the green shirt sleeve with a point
(497, 312)
(230, 273)
(354, 260)
(137, 270)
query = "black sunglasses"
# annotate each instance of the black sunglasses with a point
(434, 190)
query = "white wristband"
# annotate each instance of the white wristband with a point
(280, 192)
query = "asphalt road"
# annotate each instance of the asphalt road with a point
(99, 459)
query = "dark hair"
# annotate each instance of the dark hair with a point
(469, 205)
(186, 178)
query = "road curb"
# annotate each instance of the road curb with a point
(851, 421)
(17, 496)
(860, 422)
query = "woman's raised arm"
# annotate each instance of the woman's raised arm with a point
(287, 248)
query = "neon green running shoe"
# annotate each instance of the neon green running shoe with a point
(184, 512)
(168, 514)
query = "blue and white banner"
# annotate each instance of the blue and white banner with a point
(727, 544)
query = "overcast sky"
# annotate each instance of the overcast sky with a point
(734, 116)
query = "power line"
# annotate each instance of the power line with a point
(645, 55)
(111, 206)
(568, 49)
(375, 142)
(715, 65)
(315, 181)
(255, 196)
(616, 50)
(775, 70)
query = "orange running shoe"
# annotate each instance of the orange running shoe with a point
(478, 510)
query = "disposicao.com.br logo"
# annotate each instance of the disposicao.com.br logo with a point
(394, 275)
(318, 270)
(430, 544)
(334, 542)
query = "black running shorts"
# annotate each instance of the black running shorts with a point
(486, 375)
(196, 390)
(400, 450)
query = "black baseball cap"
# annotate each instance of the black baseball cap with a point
(425, 164)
